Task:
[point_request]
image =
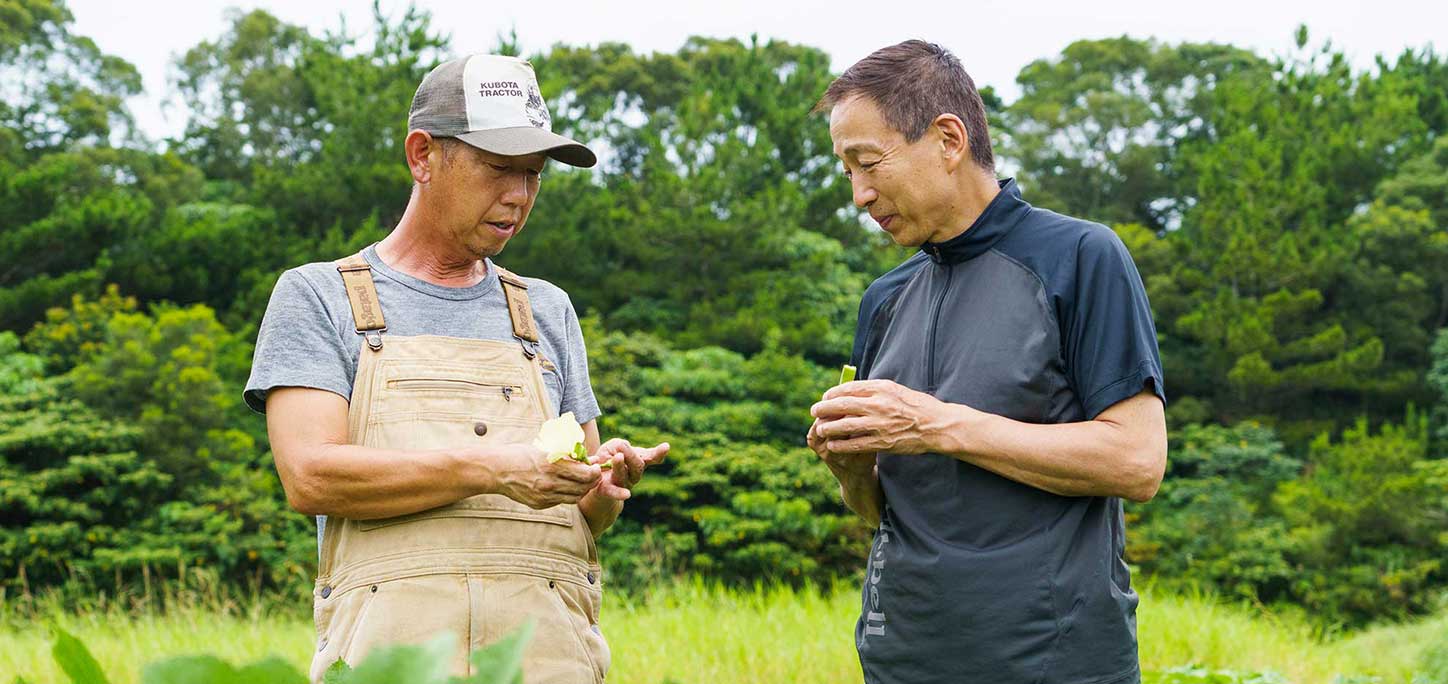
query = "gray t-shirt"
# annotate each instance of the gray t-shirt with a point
(308, 339)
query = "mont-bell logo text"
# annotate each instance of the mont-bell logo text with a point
(500, 89)
(874, 613)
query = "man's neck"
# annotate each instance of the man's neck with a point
(974, 194)
(414, 249)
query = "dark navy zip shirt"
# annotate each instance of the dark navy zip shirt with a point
(972, 577)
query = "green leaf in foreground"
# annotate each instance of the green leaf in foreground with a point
(423, 664)
(337, 672)
(501, 662)
(76, 659)
(213, 670)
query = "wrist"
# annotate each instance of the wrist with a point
(956, 430)
(854, 476)
(475, 468)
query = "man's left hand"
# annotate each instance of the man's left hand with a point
(870, 416)
(628, 463)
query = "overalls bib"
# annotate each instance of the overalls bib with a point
(478, 567)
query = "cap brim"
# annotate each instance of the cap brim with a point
(521, 140)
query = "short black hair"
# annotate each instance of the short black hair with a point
(913, 83)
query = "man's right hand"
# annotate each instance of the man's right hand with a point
(522, 473)
(842, 465)
(859, 482)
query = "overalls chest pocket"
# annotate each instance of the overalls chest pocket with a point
(422, 387)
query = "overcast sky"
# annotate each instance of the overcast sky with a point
(993, 38)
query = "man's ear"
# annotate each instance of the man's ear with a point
(954, 140)
(422, 152)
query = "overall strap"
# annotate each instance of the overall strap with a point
(362, 294)
(521, 312)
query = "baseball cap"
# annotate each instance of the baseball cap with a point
(493, 103)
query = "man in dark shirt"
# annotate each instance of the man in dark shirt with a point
(1012, 398)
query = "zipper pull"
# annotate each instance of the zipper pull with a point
(508, 393)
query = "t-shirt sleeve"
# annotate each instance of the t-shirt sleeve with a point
(577, 389)
(1110, 339)
(298, 345)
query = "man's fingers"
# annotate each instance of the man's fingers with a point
(615, 492)
(857, 445)
(845, 428)
(633, 468)
(840, 407)
(858, 388)
(655, 454)
(573, 471)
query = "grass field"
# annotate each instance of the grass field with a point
(690, 633)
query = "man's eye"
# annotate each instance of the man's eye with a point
(498, 167)
(868, 166)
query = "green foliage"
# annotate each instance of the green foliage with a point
(717, 218)
(69, 92)
(1199, 675)
(130, 463)
(1100, 130)
(1369, 517)
(1355, 535)
(77, 660)
(741, 497)
(1211, 521)
(1288, 217)
(497, 663)
(1438, 380)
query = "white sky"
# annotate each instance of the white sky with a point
(993, 38)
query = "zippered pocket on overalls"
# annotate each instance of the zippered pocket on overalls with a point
(482, 391)
(507, 390)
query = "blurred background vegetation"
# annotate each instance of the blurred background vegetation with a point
(1289, 217)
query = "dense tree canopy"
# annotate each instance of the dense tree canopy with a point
(1289, 217)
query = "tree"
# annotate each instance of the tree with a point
(1099, 131)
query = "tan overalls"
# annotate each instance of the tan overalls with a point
(478, 567)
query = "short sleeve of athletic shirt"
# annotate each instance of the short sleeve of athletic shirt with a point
(1108, 338)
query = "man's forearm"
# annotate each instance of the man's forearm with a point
(1087, 458)
(364, 483)
(861, 493)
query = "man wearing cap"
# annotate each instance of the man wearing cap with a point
(404, 386)
(1012, 397)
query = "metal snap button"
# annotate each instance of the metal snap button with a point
(326, 592)
(592, 578)
(374, 588)
(552, 584)
(480, 428)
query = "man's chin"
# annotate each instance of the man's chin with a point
(907, 239)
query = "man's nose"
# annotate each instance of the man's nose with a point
(864, 194)
(517, 191)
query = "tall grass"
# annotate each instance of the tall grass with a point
(701, 632)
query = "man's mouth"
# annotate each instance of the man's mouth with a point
(503, 227)
(885, 221)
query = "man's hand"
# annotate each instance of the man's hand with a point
(524, 474)
(627, 466)
(871, 416)
(842, 465)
